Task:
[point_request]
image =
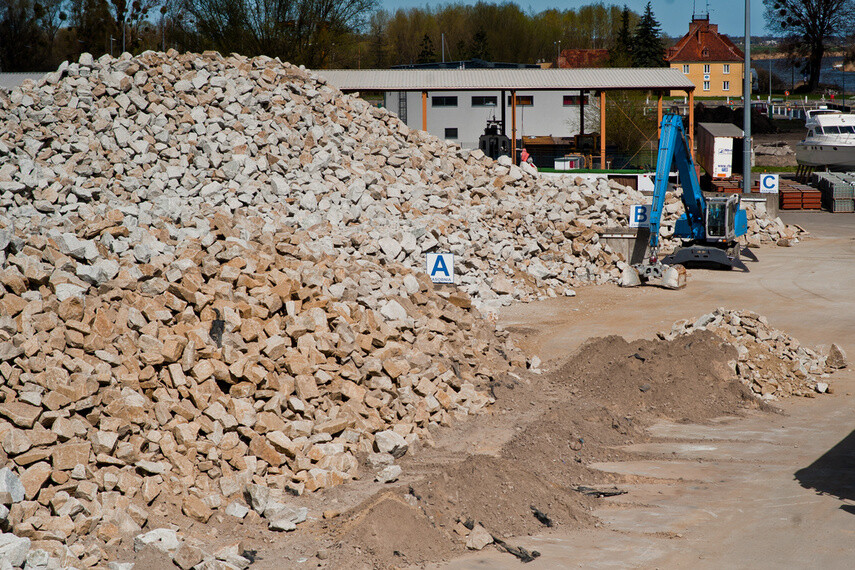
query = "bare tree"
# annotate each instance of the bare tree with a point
(811, 23)
(303, 31)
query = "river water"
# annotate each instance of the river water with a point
(790, 74)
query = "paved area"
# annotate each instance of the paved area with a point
(761, 491)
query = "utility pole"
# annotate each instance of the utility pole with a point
(746, 94)
(442, 40)
(770, 81)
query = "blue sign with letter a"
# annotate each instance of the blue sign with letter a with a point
(440, 267)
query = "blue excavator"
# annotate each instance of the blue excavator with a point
(709, 227)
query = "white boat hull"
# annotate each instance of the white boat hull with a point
(833, 156)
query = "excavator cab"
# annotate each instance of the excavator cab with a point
(723, 218)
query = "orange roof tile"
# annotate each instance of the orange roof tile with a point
(704, 43)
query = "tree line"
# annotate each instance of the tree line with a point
(37, 35)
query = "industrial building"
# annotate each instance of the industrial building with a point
(456, 103)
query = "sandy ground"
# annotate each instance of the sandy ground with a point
(759, 491)
(717, 485)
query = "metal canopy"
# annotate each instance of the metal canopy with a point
(600, 79)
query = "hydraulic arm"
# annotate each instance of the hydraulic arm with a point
(708, 227)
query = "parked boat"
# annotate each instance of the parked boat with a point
(830, 140)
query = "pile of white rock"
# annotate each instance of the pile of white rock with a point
(771, 362)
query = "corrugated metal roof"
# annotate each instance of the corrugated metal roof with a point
(496, 79)
(11, 80)
(722, 130)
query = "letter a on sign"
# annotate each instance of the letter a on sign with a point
(440, 267)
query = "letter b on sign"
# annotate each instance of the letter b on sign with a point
(440, 267)
(639, 216)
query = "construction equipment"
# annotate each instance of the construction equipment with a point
(709, 227)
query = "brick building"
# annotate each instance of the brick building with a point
(709, 59)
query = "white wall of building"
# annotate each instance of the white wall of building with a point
(548, 116)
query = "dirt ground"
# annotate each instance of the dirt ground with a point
(756, 491)
(696, 462)
(553, 426)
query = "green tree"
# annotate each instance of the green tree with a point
(427, 53)
(648, 49)
(811, 23)
(93, 26)
(621, 52)
(22, 42)
(478, 47)
(629, 128)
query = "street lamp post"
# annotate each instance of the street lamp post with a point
(842, 68)
(557, 57)
(746, 95)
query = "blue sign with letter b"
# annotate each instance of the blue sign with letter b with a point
(639, 216)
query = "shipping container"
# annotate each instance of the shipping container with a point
(716, 148)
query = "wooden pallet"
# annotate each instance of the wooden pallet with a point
(800, 198)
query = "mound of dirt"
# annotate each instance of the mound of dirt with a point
(498, 493)
(391, 533)
(692, 377)
(760, 124)
(601, 398)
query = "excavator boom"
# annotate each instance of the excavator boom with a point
(708, 227)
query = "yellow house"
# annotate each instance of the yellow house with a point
(709, 59)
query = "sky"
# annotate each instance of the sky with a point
(673, 15)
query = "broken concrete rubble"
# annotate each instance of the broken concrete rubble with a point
(771, 363)
(211, 279)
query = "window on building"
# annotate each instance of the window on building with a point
(573, 100)
(706, 68)
(726, 86)
(484, 101)
(451, 132)
(525, 100)
(725, 68)
(443, 101)
(706, 85)
(686, 68)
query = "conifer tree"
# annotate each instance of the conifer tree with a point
(427, 54)
(621, 52)
(478, 48)
(648, 49)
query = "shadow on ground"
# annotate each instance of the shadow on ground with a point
(834, 472)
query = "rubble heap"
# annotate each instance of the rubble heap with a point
(160, 135)
(771, 362)
(212, 283)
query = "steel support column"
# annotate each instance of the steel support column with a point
(513, 127)
(692, 124)
(602, 129)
